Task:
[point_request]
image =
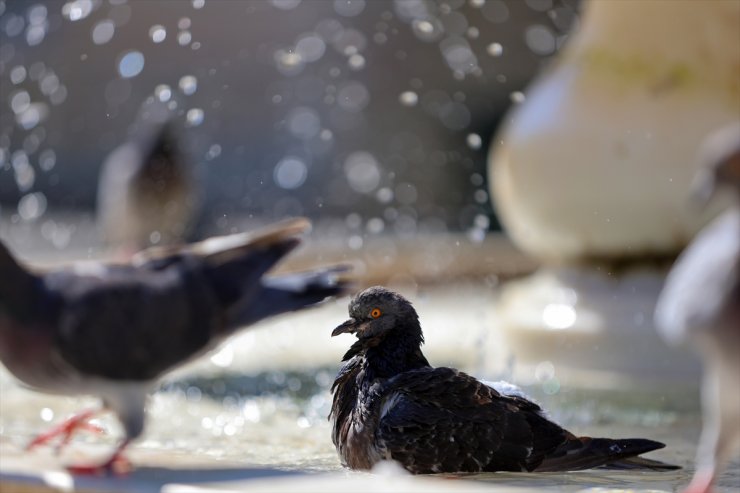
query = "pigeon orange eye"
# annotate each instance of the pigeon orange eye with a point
(376, 313)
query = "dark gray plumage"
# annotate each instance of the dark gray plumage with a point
(700, 305)
(112, 330)
(389, 403)
(146, 193)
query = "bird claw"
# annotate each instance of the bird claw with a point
(66, 429)
(118, 465)
(702, 482)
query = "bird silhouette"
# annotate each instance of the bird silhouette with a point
(700, 305)
(389, 403)
(146, 193)
(112, 330)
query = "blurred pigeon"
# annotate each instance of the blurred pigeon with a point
(113, 330)
(146, 193)
(700, 304)
(389, 403)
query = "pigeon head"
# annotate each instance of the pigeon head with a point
(377, 313)
(720, 155)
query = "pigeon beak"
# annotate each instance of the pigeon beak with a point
(350, 326)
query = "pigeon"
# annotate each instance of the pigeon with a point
(146, 194)
(390, 404)
(700, 305)
(112, 330)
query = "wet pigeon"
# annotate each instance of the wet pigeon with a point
(389, 403)
(700, 304)
(146, 193)
(113, 330)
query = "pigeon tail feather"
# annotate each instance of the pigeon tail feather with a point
(586, 453)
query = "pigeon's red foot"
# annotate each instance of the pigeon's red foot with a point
(117, 465)
(66, 429)
(701, 482)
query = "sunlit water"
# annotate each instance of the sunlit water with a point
(262, 400)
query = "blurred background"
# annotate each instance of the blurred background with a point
(374, 114)
(373, 118)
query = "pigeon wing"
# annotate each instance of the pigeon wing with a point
(440, 419)
(133, 324)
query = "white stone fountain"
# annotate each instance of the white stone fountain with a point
(591, 175)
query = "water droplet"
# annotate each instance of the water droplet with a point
(458, 54)
(540, 39)
(290, 173)
(289, 62)
(20, 101)
(539, 5)
(78, 9)
(304, 122)
(46, 414)
(213, 152)
(349, 41)
(163, 92)
(353, 97)
(310, 47)
(103, 32)
(251, 411)
(375, 225)
(517, 97)
(481, 196)
(495, 11)
(476, 4)
(356, 61)
(131, 64)
(285, 4)
(224, 357)
(184, 23)
(482, 221)
(158, 33)
(362, 171)
(35, 33)
(474, 141)
(47, 160)
(349, 8)
(198, 4)
(37, 14)
(194, 117)
(32, 206)
(18, 74)
(384, 195)
(188, 85)
(427, 29)
(495, 49)
(184, 38)
(49, 84)
(58, 96)
(408, 98)
(354, 242)
(32, 115)
(558, 316)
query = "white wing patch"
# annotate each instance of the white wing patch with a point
(389, 403)
(506, 388)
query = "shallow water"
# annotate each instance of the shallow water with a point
(262, 399)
